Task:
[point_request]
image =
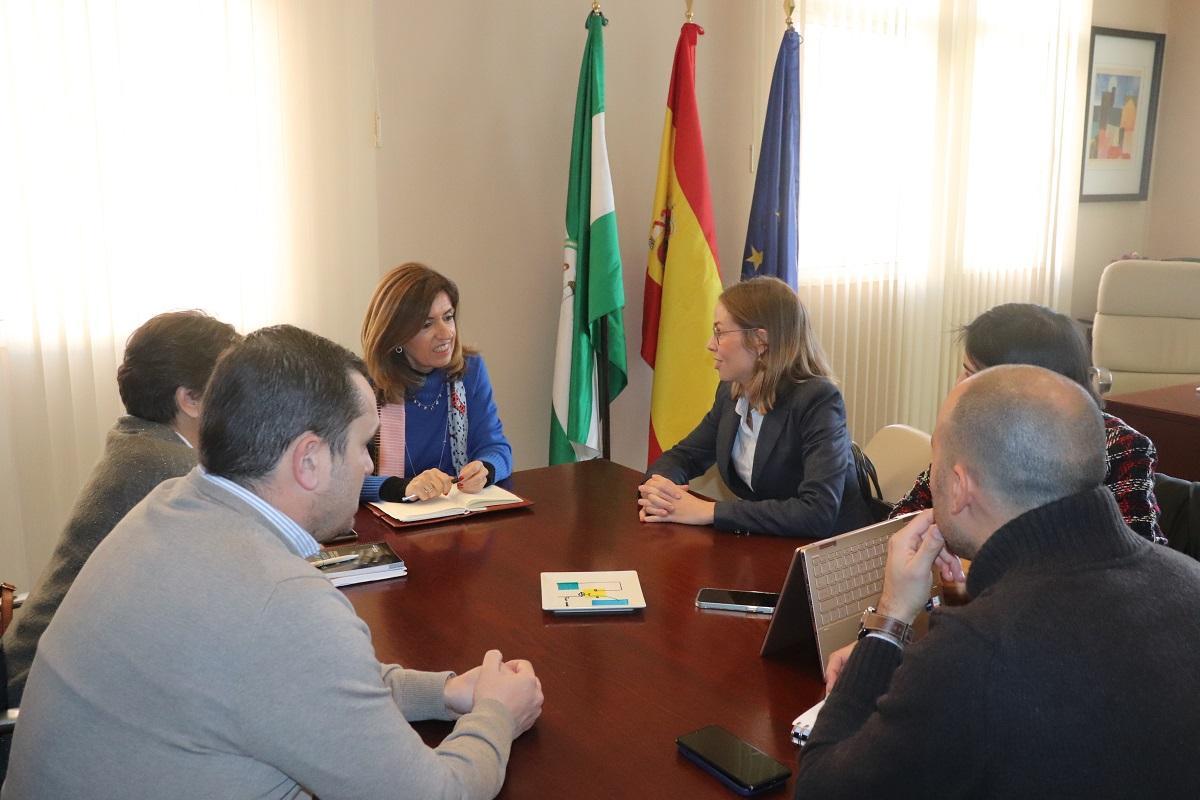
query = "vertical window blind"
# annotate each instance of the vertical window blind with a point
(939, 175)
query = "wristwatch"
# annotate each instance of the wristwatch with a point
(893, 628)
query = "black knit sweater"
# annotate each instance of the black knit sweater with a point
(1072, 673)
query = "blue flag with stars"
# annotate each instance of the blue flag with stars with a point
(771, 237)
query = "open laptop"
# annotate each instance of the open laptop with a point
(828, 586)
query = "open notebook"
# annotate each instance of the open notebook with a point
(454, 504)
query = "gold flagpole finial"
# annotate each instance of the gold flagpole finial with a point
(595, 6)
(789, 6)
(690, 15)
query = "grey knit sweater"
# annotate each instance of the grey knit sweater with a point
(197, 657)
(138, 456)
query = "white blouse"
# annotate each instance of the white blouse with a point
(746, 441)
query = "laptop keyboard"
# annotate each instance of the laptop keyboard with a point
(843, 580)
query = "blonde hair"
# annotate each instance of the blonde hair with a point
(395, 314)
(792, 351)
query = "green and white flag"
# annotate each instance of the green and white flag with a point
(592, 287)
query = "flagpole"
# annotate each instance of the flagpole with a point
(602, 356)
(602, 389)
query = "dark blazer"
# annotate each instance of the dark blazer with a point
(1179, 512)
(804, 478)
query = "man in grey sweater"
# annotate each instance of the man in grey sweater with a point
(167, 361)
(200, 655)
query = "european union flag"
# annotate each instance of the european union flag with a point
(771, 237)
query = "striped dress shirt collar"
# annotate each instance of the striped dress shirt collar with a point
(297, 540)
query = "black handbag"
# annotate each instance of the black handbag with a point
(868, 484)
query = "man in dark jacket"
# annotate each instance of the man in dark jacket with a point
(1069, 674)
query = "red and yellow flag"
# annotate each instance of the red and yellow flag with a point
(683, 278)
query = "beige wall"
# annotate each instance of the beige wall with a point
(1107, 230)
(477, 102)
(1174, 228)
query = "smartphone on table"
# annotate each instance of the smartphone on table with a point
(738, 764)
(343, 537)
(737, 600)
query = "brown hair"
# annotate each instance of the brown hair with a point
(178, 348)
(397, 310)
(792, 350)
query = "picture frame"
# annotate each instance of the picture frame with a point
(1124, 75)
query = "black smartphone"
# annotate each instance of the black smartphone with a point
(348, 536)
(739, 765)
(737, 600)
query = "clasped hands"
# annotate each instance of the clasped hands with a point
(434, 482)
(660, 500)
(512, 683)
(913, 551)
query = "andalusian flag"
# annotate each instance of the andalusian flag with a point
(772, 241)
(683, 279)
(592, 289)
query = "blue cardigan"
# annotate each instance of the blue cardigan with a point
(425, 431)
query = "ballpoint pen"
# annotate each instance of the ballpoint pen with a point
(328, 562)
(414, 498)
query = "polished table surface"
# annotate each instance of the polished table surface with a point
(1170, 416)
(619, 687)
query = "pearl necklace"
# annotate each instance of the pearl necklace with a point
(445, 435)
(433, 405)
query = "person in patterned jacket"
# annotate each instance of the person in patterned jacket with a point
(1024, 333)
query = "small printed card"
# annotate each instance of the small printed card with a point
(591, 592)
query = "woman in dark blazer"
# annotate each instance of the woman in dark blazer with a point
(777, 429)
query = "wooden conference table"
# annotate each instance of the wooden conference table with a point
(619, 688)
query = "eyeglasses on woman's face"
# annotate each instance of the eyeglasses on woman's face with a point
(718, 333)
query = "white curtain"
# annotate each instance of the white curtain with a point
(939, 176)
(157, 156)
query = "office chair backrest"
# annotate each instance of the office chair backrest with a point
(1147, 325)
(900, 453)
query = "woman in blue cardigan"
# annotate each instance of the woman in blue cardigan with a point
(438, 424)
(776, 430)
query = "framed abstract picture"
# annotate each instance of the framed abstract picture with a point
(1124, 73)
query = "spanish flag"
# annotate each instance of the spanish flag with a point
(683, 278)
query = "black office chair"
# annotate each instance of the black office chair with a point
(8, 717)
(7, 722)
(1179, 512)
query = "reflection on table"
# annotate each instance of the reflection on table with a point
(619, 687)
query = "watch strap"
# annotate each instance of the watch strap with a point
(872, 620)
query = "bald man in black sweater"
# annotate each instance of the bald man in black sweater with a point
(1071, 673)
